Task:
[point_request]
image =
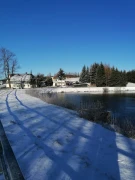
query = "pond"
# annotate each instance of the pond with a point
(123, 105)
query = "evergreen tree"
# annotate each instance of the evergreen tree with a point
(100, 77)
(114, 80)
(83, 77)
(88, 75)
(107, 73)
(93, 73)
(125, 81)
(61, 74)
(118, 78)
(40, 78)
(48, 81)
(123, 78)
(131, 76)
(33, 80)
(104, 75)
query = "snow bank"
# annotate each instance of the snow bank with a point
(88, 89)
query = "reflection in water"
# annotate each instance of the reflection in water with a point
(122, 105)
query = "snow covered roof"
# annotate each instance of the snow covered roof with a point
(21, 77)
(130, 84)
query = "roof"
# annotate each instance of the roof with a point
(21, 77)
(129, 84)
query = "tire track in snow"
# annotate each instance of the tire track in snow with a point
(4, 93)
(44, 116)
(96, 159)
(2, 98)
(51, 154)
(40, 144)
(98, 148)
(63, 124)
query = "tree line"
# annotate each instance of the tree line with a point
(62, 75)
(97, 74)
(41, 80)
(131, 76)
(101, 75)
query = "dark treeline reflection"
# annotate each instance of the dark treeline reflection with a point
(119, 104)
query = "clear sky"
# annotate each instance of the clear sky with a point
(50, 34)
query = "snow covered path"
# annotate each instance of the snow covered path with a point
(53, 143)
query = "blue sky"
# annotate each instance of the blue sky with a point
(50, 34)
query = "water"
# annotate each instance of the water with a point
(121, 104)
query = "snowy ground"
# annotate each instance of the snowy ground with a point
(87, 89)
(53, 143)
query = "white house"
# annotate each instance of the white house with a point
(20, 81)
(57, 82)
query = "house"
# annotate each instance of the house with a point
(67, 81)
(129, 84)
(57, 82)
(20, 81)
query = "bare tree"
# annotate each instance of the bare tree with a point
(9, 63)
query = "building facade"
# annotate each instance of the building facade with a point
(20, 81)
(65, 82)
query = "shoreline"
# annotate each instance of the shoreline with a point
(91, 90)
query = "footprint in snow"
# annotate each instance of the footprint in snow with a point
(13, 122)
(69, 136)
(85, 161)
(58, 142)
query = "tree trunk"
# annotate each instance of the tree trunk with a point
(9, 83)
